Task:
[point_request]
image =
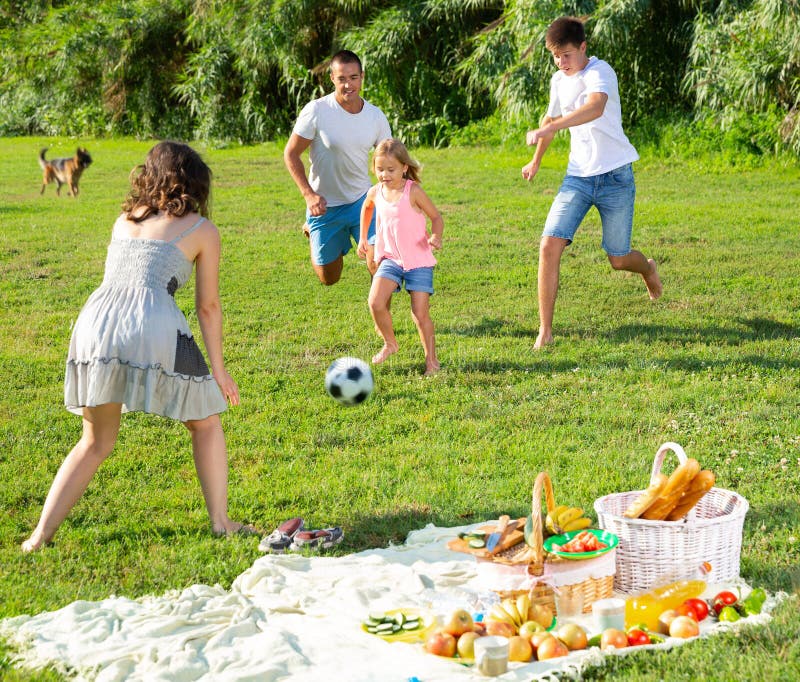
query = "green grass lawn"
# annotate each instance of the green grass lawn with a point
(714, 365)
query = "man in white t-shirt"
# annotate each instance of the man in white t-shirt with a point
(584, 97)
(339, 130)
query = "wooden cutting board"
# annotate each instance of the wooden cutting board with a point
(512, 537)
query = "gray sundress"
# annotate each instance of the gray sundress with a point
(131, 344)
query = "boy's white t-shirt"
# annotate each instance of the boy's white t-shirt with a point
(340, 146)
(601, 145)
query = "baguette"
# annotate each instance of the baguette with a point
(672, 491)
(647, 498)
(698, 487)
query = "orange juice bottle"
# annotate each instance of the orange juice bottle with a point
(646, 608)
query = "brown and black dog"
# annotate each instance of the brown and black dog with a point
(65, 171)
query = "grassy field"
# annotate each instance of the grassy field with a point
(714, 365)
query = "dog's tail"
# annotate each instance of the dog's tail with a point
(42, 160)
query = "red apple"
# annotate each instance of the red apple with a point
(441, 644)
(500, 628)
(613, 639)
(573, 635)
(459, 623)
(551, 647)
(684, 627)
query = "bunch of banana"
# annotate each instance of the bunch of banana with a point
(563, 519)
(512, 611)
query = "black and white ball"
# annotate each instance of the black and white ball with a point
(349, 380)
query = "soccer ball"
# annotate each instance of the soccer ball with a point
(349, 380)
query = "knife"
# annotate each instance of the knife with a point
(500, 530)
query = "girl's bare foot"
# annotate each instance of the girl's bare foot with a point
(384, 353)
(653, 281)
(431, 368)
(543, 340)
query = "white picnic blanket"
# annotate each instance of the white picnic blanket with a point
(286, 617)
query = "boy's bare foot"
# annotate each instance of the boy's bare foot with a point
(383, 353)
(543, 340)
(431, 368)
(653, 281)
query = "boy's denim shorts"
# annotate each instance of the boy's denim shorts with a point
(331, 232)
(416, 279)
(613, 194)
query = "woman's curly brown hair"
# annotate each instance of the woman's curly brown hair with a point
(173, 179)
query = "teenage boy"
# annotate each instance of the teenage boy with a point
(584, 97)
(338, 130)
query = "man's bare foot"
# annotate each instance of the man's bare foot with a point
(431, 368)
(384, 353)
(543, 340)
(653, 281)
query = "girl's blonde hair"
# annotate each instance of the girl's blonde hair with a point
(396, 149)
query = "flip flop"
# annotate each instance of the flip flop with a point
(324, 538)
(280, 539)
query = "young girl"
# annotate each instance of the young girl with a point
(131, 347)
(403, 248)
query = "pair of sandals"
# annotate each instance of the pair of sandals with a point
(292, 536)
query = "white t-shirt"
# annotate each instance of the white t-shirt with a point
(340, 146)
(598, 146)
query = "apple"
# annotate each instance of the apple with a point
(665, 619)
(519, 649)
(541, 614)
(573, 635)
(466, 644)
(459, 623)
(500, 628)
(480, 628)
(441, 643)
(613, 639)
(538, 637)
(529, 627)
(551, 647)
(684, 627)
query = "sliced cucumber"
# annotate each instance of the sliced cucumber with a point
(377, 616)
(396, 627)
(411, 625)
(372, 628)
(384, 627)
(476, 543)
(400, 618)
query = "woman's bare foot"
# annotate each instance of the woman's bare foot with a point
(383, 353)
(543, 340)
(33, 544)
(653, 281)
(431, 368)
(233, 528)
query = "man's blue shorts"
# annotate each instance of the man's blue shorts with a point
(613, 194)
(416, 279)
(330, 234)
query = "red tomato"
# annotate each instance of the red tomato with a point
(687, 609)
(700, 607)
(723, 599)
(637, 637)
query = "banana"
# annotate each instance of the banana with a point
(578, 524)
(523, 606)
(570, 515)
(497, 612)
(511, 609)
(552, 518)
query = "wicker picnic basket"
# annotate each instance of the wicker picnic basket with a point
(649, 551)
(533, 560)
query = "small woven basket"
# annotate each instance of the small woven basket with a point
(534, 558)
(651, 550)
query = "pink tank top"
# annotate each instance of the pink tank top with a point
(401, 233)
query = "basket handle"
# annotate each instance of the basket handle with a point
(658, 460)
(542, 482)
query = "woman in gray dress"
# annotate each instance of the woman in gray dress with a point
(131, 347)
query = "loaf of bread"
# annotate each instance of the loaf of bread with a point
(671, 494)
(647, 498)
(698, 487)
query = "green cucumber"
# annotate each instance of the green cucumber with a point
(411, 625)
(476, 543)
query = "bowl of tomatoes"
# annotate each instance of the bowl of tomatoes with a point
(581, 544)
